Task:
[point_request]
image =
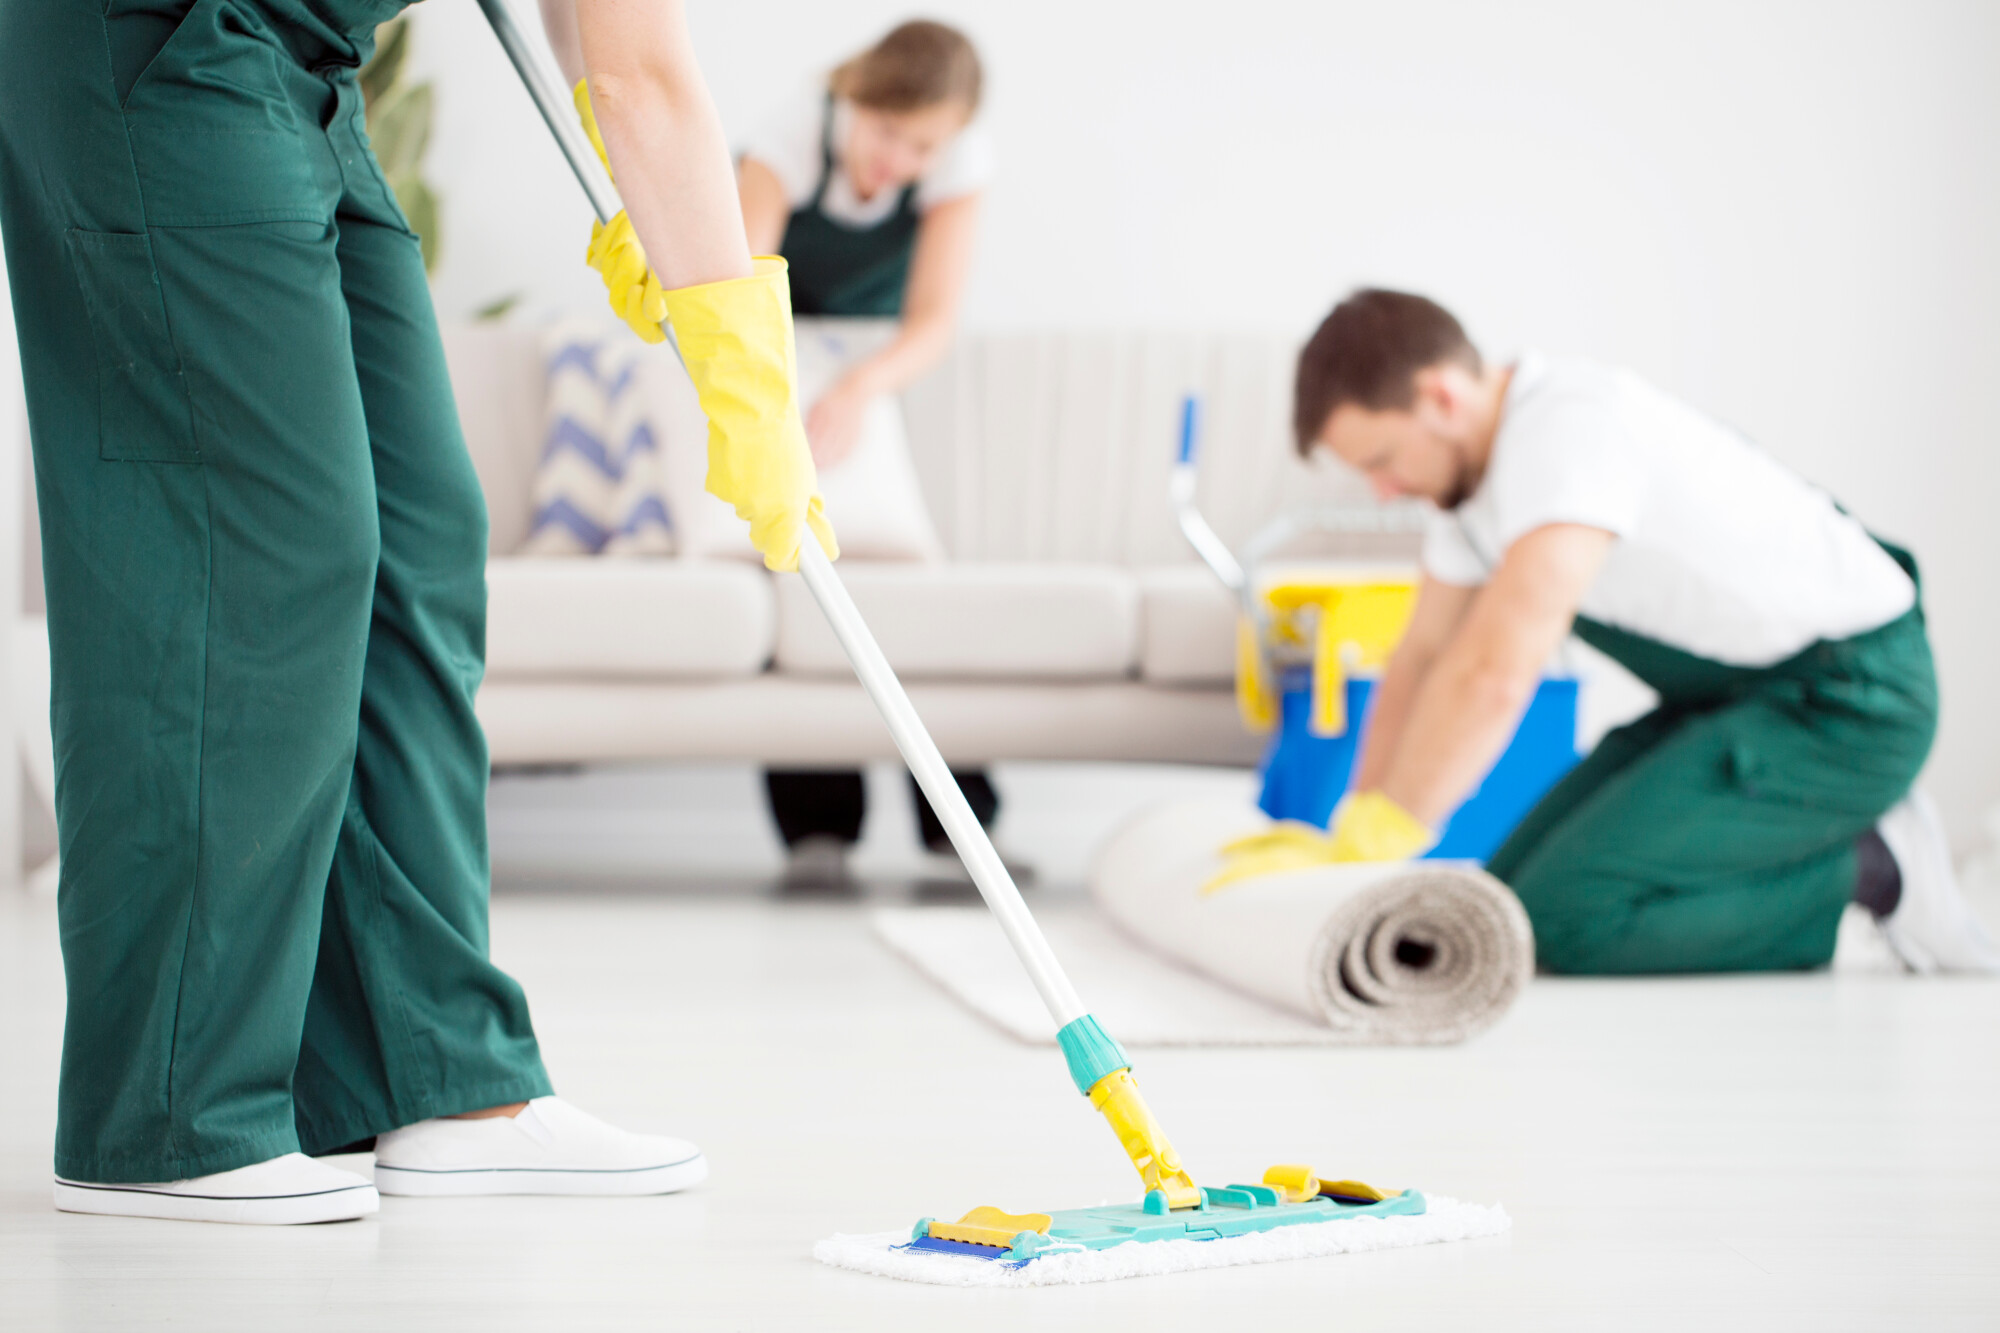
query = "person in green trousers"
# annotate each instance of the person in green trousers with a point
(1729, 828)
(264, 547)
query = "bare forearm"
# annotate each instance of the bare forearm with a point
(1458, 721)
(919, 344)
(664, 139)
(559, 23)
(938, 273)
(1389, 715)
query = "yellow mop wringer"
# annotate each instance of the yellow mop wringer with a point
(1173, 1206)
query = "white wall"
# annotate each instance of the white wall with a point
(1785, 212)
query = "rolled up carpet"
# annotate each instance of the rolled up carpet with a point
(1410, 953)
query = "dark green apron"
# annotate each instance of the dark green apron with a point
(841, 270)
(264, 551)
(1717, 832)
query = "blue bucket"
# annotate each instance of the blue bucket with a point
(1306, 775)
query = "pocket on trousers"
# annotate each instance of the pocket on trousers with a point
(220, 126)
(144, 410)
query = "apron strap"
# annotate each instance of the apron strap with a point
(825, 151)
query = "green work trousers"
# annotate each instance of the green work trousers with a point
(263, 548)
(1716, 834)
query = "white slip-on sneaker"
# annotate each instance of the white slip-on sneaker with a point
(286, 1191)
(1861, 948)
(551, 1147)
(1932, 928)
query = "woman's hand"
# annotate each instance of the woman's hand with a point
(833, 427)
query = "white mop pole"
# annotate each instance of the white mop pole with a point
(920, 752)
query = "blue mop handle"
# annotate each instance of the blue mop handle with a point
(1190, 420)
(1181, 481)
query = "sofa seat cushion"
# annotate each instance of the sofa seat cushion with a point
(618, 619)
(1187, 627)
(972, 621)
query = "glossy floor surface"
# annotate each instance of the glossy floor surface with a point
(1810, 1152)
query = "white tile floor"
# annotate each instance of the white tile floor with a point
(1817, 1152)
(1810, 1152)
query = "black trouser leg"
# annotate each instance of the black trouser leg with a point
(816, 802)
(979, 794)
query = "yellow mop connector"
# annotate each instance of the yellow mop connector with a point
(1099, 1068)
(1117, 1095)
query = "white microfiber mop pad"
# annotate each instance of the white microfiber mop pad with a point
(1445, 1219)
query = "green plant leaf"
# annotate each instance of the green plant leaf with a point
(498, 308)
(392, 47)
(420, 206)
(400, 129)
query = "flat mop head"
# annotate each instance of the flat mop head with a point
(1292, 1215)
(1289, 1196)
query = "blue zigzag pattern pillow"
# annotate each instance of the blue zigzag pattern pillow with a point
(599, 486)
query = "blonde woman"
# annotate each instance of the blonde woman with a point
(869, 185)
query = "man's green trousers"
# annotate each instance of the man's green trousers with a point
(1716, 834)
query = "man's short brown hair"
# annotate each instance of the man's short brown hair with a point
(1368, 352)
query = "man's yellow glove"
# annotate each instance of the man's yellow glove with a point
(615, 252)
(736, 338)
(1371, 827)
(1368, 827)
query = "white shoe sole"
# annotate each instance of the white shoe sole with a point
(411, 1181)
(345, 1204)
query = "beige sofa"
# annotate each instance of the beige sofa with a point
(1070, 621)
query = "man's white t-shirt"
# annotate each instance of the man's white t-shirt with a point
(1722, 552)
(790, 143)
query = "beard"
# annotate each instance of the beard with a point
(1457, 493)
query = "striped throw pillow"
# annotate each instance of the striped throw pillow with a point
(598, 487)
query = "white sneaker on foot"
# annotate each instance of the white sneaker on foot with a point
(551, 1147)
(817, 864)
(285, 1191)
(1933, 928)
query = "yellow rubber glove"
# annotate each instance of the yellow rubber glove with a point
(634, 289)
(1371, 827)
(736, 338)
(588, 115)
(1368, 827)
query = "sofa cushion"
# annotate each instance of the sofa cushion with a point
(1187, 627)
(499, 383)
(612, 618)
(972, 622)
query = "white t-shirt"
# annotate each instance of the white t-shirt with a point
(789, 144)
(1722, 552)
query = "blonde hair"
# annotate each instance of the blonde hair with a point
(918, 64)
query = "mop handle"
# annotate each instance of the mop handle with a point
(1214, 552)
(920, 752)
(557, 109)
